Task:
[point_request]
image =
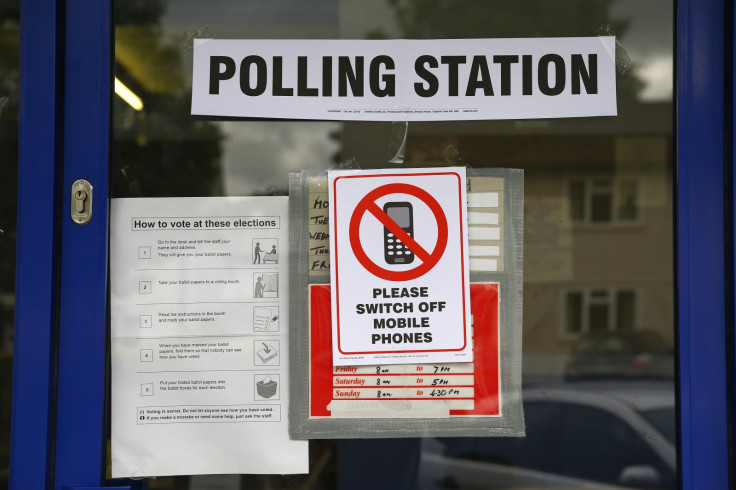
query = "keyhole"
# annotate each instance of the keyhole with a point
(79, 197)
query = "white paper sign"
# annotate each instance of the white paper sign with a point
(405, 80)
(399, 250)
(199, 324)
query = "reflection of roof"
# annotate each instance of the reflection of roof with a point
(621, 343)
(638, 395)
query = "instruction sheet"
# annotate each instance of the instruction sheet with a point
(199, 336)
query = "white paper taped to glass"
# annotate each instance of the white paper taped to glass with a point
(405, 80)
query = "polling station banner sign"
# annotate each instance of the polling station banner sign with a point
(405, 80)
(399, 252)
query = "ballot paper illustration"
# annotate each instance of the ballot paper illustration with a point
(267, 352)
(266, 319)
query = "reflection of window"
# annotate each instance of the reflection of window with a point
(627, 206)
(602, 201)
(598, 310)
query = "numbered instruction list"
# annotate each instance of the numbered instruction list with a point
(199, 325)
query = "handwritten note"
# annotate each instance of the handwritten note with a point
(319, 238)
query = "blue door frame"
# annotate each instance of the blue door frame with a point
(703, 262)
(58, 434)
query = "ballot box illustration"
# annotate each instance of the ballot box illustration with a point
(267, 387)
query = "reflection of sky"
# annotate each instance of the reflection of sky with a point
(649, 42)
(648, 39)
(259, 155)
(250, 19)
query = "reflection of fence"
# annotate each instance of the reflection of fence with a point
(271, 257)
(270, 283)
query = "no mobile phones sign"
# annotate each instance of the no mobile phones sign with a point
(400, 289)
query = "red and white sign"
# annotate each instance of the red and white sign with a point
(399, 254)
(407, 390)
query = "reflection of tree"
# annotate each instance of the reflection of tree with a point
(449, 19)
(9, 82)
(161, 150)
(500, 18)
(139, 12)
(9, 79)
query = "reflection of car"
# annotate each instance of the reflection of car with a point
(619, 434)
(642, 354)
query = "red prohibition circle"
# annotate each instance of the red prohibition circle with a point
(368, 204)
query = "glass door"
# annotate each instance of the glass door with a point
(617, 267)
(599, 287)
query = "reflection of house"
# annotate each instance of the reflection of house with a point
(598, 218)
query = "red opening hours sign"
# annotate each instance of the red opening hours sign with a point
(399, 251)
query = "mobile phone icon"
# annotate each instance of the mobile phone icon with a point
(394, 251)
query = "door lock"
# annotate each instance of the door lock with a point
(81, 206)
